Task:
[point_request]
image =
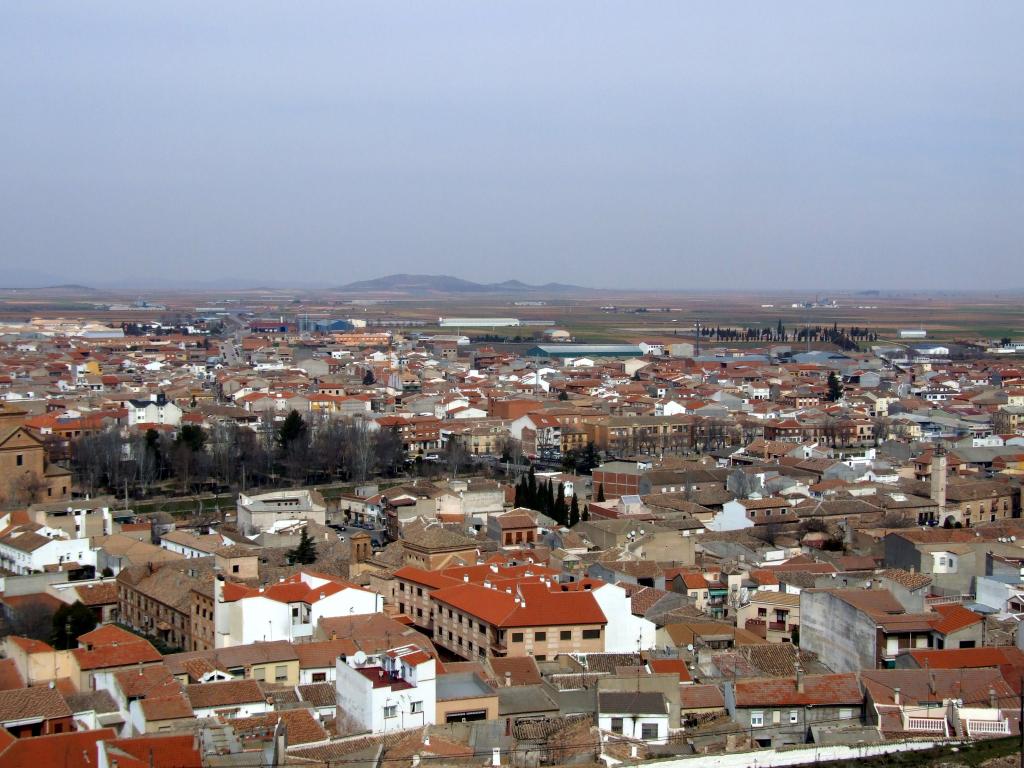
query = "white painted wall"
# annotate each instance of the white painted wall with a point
(624, 631)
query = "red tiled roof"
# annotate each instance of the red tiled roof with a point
(954, 617)
(302, 726)
(678, 666)
(695, 581)
(700, 697)
(120, 655)
(292, 590)
(10, 677)
(783, 692)
(968, 658)
(540, 606)
(108, 634)
(170, 751)
(170, 708)
(56, 750)
(28, 645)
(223, 694)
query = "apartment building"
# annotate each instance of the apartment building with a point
(473, 620)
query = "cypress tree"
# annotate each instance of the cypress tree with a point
(574, 511)
(559, 512)
(600, 492)
(305, 552)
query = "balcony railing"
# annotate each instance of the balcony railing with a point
(926, 724)
(948, 599)
(988, 728)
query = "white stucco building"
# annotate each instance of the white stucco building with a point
(30, 548)
(624, 632)
(391, 691)
(288, 610)
(635, 715)
(158, 410)
(259, 513)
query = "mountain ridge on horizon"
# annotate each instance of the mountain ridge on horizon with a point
(414, 283)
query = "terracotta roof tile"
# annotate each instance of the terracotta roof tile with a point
(302, 726)
(954, 617)
(170, 751)
(59, 749)
(818, 690)
(42, 701)
(223, 694)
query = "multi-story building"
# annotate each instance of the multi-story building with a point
(390, 691)
(774, 614)
(288, 610)
(473, 620)
(260, 513)
(159, 601)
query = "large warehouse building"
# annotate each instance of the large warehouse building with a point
(478, 322)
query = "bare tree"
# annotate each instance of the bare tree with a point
(360, 457)
(456, 457)
(880, 426)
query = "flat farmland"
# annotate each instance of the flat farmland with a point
(597, 317)
(667, 317)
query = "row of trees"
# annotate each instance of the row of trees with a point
(298, 451)
(844, 338)
(545, 498)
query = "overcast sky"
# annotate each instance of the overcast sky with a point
(629, 144)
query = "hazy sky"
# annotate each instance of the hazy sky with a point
(629, 144)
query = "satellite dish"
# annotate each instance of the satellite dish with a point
(689, 647)
(1013, 538)
(632, 533)
(359, 657)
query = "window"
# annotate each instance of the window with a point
(591, 634)
(319, 677)
(756, 719)
(540, 637)
(281, 672)
(565, 634)
(391, 710)
(20, 459)
(259, 673)
(616, 725)
(419, 591)
(540, 657)
(401, 586)
(794, 716)
(649, 731)
(846, 714)
(416, 707)
(517, 637)
(234, 568)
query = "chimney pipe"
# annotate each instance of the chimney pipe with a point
(896, 696)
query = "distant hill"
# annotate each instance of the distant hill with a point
(404, 283)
